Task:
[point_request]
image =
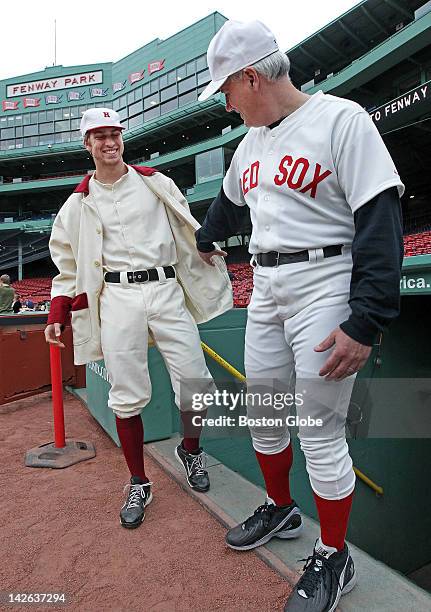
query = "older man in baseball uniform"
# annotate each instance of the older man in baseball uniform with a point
(327, 248)
(129, 272)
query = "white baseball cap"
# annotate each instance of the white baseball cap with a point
(94, 118)
(236, 46)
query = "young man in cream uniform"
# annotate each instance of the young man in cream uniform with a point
(129, 272)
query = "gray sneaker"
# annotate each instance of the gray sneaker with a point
(327, 576)
(139, 496)
(268, 521)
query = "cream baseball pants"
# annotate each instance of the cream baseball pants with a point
(128, 313)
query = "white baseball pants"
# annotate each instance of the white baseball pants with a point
(293, 308)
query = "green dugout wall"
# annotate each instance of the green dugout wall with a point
(394, 385)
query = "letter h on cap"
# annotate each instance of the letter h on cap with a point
(106, 115)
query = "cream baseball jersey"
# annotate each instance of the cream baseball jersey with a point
(136, 230)
(304, 178)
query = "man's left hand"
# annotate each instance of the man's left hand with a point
(347, 358)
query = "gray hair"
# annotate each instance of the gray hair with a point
(273, 67)
(5, 278)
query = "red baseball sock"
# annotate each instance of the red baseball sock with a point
(191, 432)
(131, 434)
(275, 470)
(334, 517)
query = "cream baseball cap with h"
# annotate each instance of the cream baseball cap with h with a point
(235, 47)
(94, 118)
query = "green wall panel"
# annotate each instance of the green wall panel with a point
(158, 416)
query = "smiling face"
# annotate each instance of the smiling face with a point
(106, 146)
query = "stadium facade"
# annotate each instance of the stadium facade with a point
(376, 54)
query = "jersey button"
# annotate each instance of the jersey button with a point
(266, 198)
(267, 228)
(99, 231)
(97, 264)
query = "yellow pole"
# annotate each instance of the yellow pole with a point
(224, 364)
(368, 481)
(241, 377)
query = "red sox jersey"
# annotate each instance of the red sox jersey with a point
(304, 178)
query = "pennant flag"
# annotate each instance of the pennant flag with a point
(31, 102)
(98, 92)
(118, 86)
(52, 99)
(136, 76)
(8, 105)
(156, 66)
(75, 95)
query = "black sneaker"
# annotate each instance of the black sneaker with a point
(268, 521)
(328, 575)
(194, 465)
(133, 512)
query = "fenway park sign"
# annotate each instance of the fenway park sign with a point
(404, 109)
(64, 82)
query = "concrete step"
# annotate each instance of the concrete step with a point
(232, 498)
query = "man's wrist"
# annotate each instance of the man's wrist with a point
(205, 247)
(59, 311)
(359, 330)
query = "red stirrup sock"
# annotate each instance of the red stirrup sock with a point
(334, 518)
(131, 434)
(191, 432)
(275, 470)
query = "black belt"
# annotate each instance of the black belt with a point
(140, 276)
(278, 259)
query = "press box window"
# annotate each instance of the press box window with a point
(62, 126)
(169, 106)
(209, 165)
(190, 96)
(136, 120)
(30, 130)
(181, 73)
(7, 133)
(152, 113)
(46, 128)
(151, 101)
(204, 77)
(191, 67)
(201, 62)
(187, 84)
(135, 108)
(169, 92)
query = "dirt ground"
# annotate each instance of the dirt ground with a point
(60, 531)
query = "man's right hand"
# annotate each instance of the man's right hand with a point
(207, 256)
(53, 333)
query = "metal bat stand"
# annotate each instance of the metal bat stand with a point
(49, 455)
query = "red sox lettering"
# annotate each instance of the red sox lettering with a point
(292, 172)
(250, 177)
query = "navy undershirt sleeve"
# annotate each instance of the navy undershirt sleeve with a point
(222, 220)
(377, 253)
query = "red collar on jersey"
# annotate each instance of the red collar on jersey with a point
(83, 185)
